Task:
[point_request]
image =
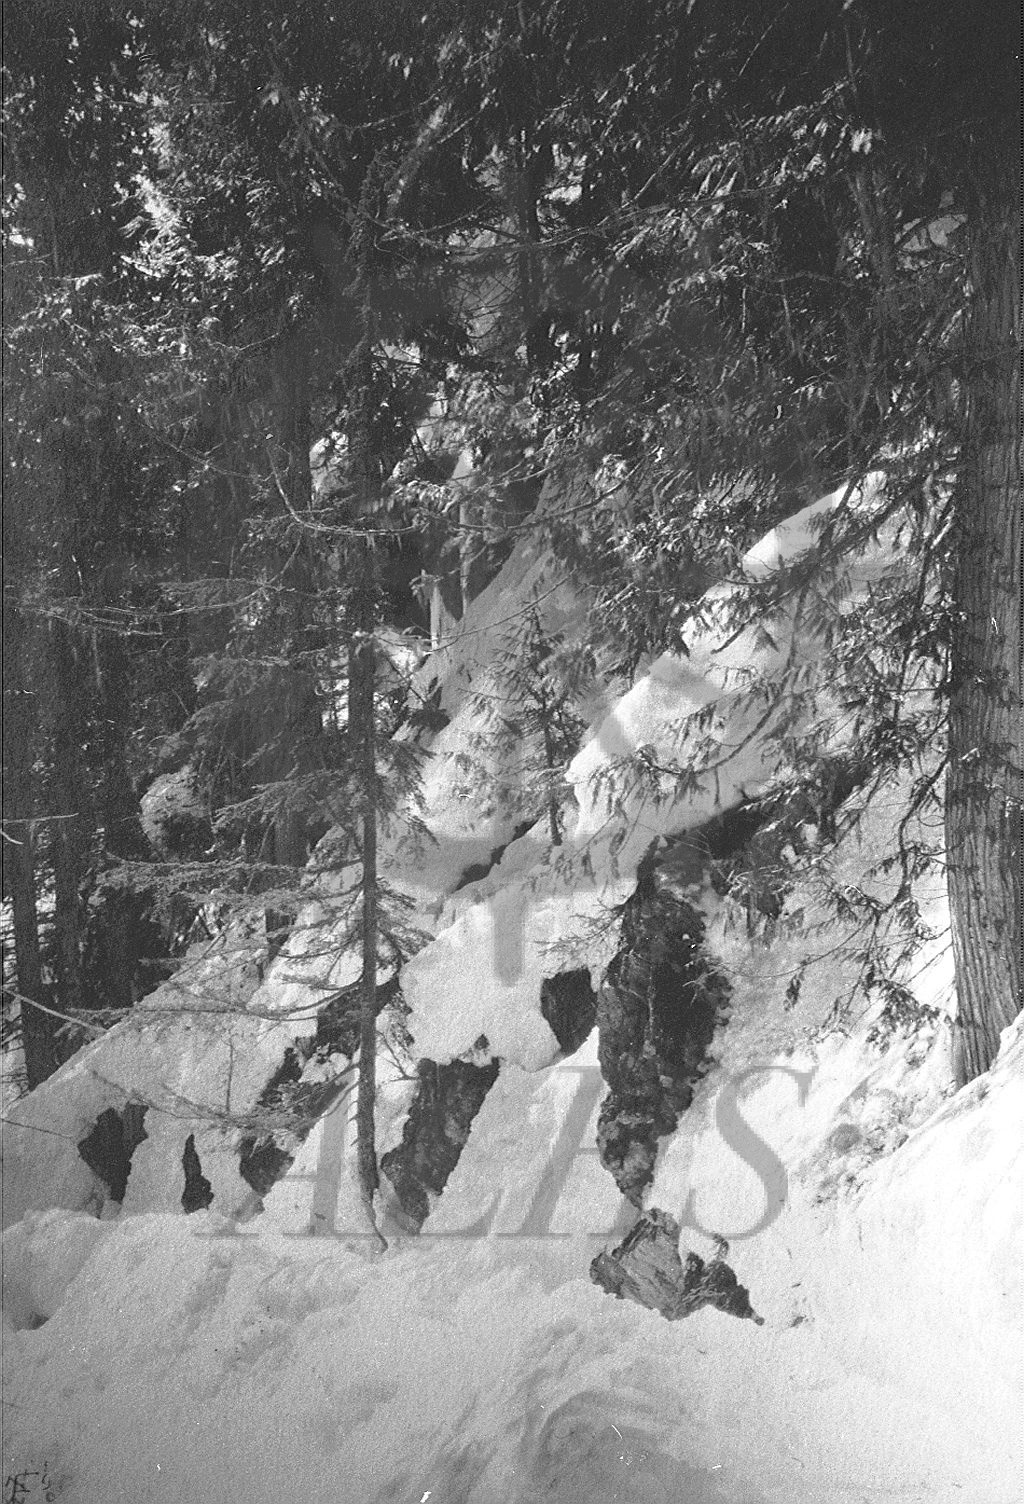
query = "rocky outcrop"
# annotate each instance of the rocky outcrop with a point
(477, 871)
(663, 996)
(657, 1012)
(312, 1075)
(448, 1098)
(751, 851)
(109, 1145)
(568, 1004)
(198, 1192)
(646, 1267)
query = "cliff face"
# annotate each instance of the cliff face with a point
(447, 1099)
(657, 1012)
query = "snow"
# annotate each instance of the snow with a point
(801, 533)
(874, 1214)
(489, 963)
(199, 1069)
(462, 814)
(193, 1060)
(190, 1359)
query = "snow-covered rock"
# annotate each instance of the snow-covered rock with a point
(874, 1215)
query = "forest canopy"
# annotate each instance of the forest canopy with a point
(312, 312)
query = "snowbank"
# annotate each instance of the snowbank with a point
(191, 1071)
(187, 1359)
(183, 1362)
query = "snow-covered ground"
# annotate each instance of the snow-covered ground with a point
(876, 1217)
(191, 1359)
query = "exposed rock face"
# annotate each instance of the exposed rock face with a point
(198, 1192)
(447, 1100)
(477, 871)
(656, 1013)
(294, 1101)
(663, 996)
(742, 849)
(568, 1004)
(108, 1147)
(646, 1267)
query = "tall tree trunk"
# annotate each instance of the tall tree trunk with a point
(365, 472)
(19, 875)
(524, 190)
(121, 911)
(68, 797)
(291, 377)
(362, 732)
(984, 781)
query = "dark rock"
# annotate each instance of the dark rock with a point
(262, 1159)
(745, 845)
(262, 1162)
(568, 1004)
(448, 1098)
(476, 871)
(663, 995)
(657, 1013)
(843, 1137)
(198, 1192)
(647, 1269)
(109, 1145)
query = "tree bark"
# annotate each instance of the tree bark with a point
(535, 334)
(362, 732)
(302, 710)
(19, 875)
(984, 778)
(365, 473)
(69, 800)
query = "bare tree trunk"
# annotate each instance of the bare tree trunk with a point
(120, 912)
(292, 751)
(538, 351)
(19, 875)
(551, 762)
(362, 730)
(361, 708)
(984, 782)
(69, 798)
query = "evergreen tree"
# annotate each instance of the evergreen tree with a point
(688, 265)
(837, 188)
(84, 494)
(914, 118)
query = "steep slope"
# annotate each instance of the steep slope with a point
(201, 1049)
(477, 1363)
(818, 1151)
(694, 735)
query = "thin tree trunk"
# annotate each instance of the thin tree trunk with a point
(365, 472)
(120, 913)
(552, 762)
(984, 780)
(19, 877)
(525, 186)
(70, 830)
(362, 673)
(303, 724)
